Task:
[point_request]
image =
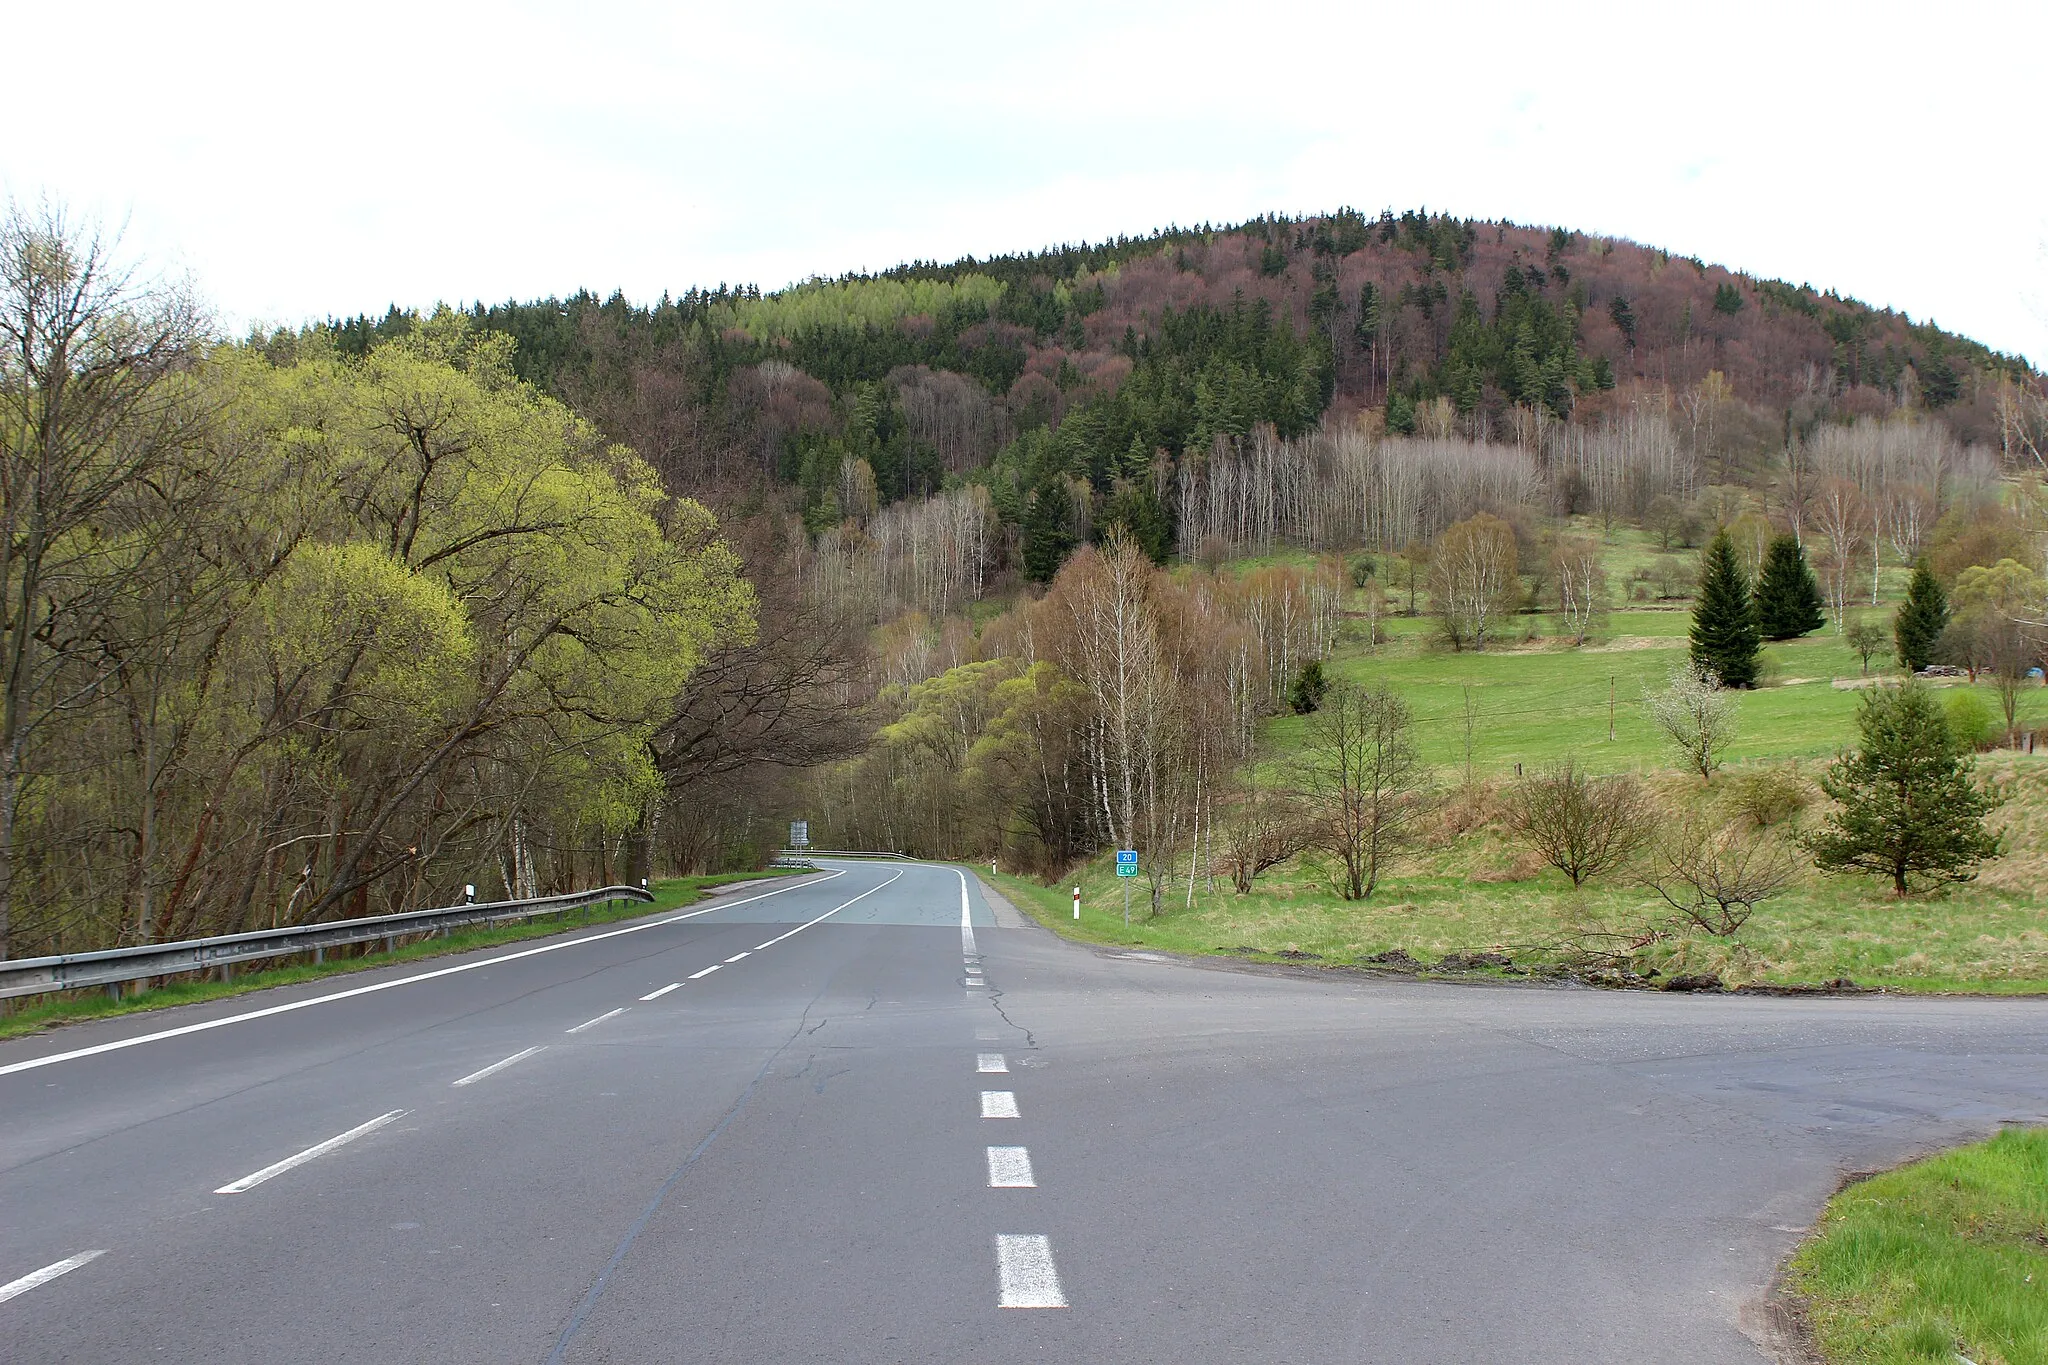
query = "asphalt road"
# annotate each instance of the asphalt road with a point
(855, 1130)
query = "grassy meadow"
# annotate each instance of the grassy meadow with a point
(1942, 1260)
(1469, 887)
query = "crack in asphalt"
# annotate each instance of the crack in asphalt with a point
(618, 1257)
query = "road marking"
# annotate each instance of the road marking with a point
(588, 1023)
(1009, 1168)
(475, 1076)
(656, 995)
(827, 915)
(698, 976)
(966, 919)
(735, 958)
(119, 1043)
(47, 1274)
(1025, 1275)
(250, 1182)
(991, 1064)
(999, 1104)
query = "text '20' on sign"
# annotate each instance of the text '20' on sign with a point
(1127, 862)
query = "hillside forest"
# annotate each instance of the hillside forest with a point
(1016, 559)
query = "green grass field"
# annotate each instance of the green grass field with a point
(1943, 1260)
(1471, 889)
(47, 1012)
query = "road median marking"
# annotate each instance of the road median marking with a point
(592, 1023)
(48, 1273)
(250, 1182)
(1025, 1274)
(999, 1104)
(656, 995)
(1009, 1168)
(991, 1064)
(473, 1077)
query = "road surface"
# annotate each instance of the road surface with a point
(854, 1118)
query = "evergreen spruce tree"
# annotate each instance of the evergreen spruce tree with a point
(1922, 618)
(1724, 632)
(1910, 804)
(1788, 602)
(1048, 531)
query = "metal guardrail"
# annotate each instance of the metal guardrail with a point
(113, 966)
(840, 853)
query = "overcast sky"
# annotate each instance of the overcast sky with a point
(303, 161)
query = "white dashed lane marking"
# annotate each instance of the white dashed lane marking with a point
(735, 958)
(999, 1104)
(706, 972)
(46, 1274)
(250, 1182)
(473, 1077)
(593, 1023)
(1009, 1168)
(991, 1064)
(656, 995)
(1025, 1275)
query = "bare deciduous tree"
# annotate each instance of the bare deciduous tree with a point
(1472, 583)
(1697, 715)
(1581, 825)
(1580, 581)
(1258, 829)
(1365, 780)
(1715, 878)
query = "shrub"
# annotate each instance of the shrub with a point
(1305, 694)
(1769, 796)
(1970, 720)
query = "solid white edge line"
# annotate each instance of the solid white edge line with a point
(588, 1023)
(473, 1077)
(47, 1274)
(698, 976)
(991, 1064)
(1025, 1275)
(119, 1043)
(656, 995)
(1009, 1168)
(999, 1104)
(320, 1149)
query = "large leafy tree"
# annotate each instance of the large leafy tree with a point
(1910, 806)
(1922, 618)
(1788, 602)
(1725, 639)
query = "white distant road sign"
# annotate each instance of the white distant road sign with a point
(799, 834)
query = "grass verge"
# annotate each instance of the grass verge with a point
(669, 894)
(1942, 1260)
(1472, 890)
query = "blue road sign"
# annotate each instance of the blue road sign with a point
(1127, 862)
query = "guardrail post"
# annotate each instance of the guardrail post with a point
(319, 956)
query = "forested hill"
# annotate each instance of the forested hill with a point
(1104, 367)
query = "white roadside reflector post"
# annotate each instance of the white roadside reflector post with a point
(1077, 902)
